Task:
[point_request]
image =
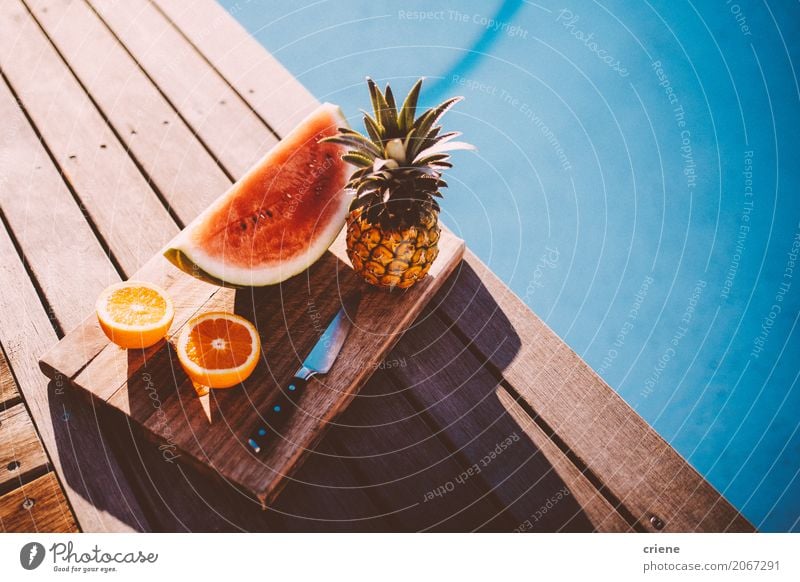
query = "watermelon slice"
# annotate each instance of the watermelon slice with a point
(276, 220)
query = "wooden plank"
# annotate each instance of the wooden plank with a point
(22, 457)
(47, 223)
(592, 421)
(205, 100)
(9, 395)
(455, 389)
(38, 506)
(154, 133)
(123, 209)
(272, 91)
(602, 514)
(403, 463)
(92, 481)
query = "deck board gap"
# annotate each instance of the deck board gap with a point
(215, 69)
(150, 182)
(34, 280)
(89, 220)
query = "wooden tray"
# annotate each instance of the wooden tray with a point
(150, 387)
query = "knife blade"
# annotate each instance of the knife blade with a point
(318, 361)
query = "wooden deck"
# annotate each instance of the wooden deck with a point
(124, 119)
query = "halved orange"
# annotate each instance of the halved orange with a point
(134, 314)
(218, 350)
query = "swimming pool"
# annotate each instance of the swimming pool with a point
(635, 183)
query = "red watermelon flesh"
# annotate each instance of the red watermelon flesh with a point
(279, 218)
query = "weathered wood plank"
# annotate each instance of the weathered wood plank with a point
(155, 134)
(403, 463)
(9, 395)
(454, 388)
(625, 454)
(38, 506)
(47, 223)
(205, 100)
(602, 514)
(272, 91)
(91, 478)
(22, 457)
(125, 212)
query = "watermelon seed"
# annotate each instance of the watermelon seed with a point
(269, 213)
(243, 225)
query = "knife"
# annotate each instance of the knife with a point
(319, 361)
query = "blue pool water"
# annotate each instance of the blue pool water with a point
(636, 183)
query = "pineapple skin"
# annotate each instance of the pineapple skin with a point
(396, 258)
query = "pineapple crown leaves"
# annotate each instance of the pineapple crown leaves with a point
(401, 159)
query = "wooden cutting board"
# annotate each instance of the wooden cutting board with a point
(150, 387)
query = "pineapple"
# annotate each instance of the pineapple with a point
(393, 226)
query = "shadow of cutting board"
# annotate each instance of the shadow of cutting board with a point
(150, 387)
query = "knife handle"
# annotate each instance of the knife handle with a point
(276, 415)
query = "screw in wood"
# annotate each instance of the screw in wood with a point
(657, 522)
(28, 503)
